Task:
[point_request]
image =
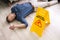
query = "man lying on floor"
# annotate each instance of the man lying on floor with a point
(19, 12)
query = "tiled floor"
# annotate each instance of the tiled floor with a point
(52, 32)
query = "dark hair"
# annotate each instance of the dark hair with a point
(7, 19)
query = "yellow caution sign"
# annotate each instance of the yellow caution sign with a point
(40, 22)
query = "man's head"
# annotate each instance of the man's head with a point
(10, 17)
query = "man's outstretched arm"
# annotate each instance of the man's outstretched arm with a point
(12, 27)
(23, 25)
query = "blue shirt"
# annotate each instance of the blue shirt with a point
(21, 11)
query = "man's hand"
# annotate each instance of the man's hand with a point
(12, 27)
